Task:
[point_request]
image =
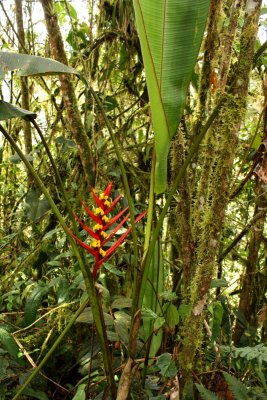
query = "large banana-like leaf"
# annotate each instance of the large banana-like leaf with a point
(8, 111)
(170, 33)
(27, 65)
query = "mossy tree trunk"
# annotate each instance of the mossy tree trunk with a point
(73, 114)
(210, 187)
(253, 281)
(25, 99)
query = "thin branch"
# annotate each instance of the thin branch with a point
(242, 234)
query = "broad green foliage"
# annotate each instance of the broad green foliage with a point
(33, 303)
(36, 394)
(35, 207)
(27, 65)
(167, 365)
(42, 285)
(8, 343)
(170, 33)
(80, 394)
(258, 353)
(8, 111)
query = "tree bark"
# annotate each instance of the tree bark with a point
(73, 114)
(253, 288)
(25, 100)
(223, 140)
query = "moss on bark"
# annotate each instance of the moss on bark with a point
(73, 114)
(208, 214)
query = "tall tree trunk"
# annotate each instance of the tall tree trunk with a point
(73, 114)
(25, 100)
(253, 289)
(223, 141)
(251, 286)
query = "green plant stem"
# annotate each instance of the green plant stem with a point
(58, 178)
(125, 381)
(151, 203)
(123, 172)
(52, 349)
(192, 151)
(244, 231)
(88, 279)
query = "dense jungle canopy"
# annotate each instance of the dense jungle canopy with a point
(133, 176)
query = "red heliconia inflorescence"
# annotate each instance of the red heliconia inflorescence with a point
(102, 224)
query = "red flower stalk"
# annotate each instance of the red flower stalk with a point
(98, 233)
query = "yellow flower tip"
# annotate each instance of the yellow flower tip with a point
(99, 211)
(102, 252)
(105, 219)
(107, 203)
(103, 197)
(97, 227)
(95, 244)
(103, 234)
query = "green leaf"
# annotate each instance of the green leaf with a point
(171, 315)
(63, 290)
(51, 233)
(113, 336)
(35, 206)
(184, 310)
(31, 65)
(33, 303)
(218, 283)
(37, 394)
(8, 343)
(167, 365)
(205, 393)
(168, 296)
(122, 324)
(87, 317)
(15, 158)
(159, 322)
(66, 143)
(5, 370)
(170, 33)
(111, 268)
(217, 311)
(8, 111)
(148, 313)
(122, 302)
(80, 394)
(258, 352)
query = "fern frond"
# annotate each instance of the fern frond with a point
(238, 388)
(205, 393)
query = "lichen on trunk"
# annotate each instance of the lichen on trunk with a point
(208, 214)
